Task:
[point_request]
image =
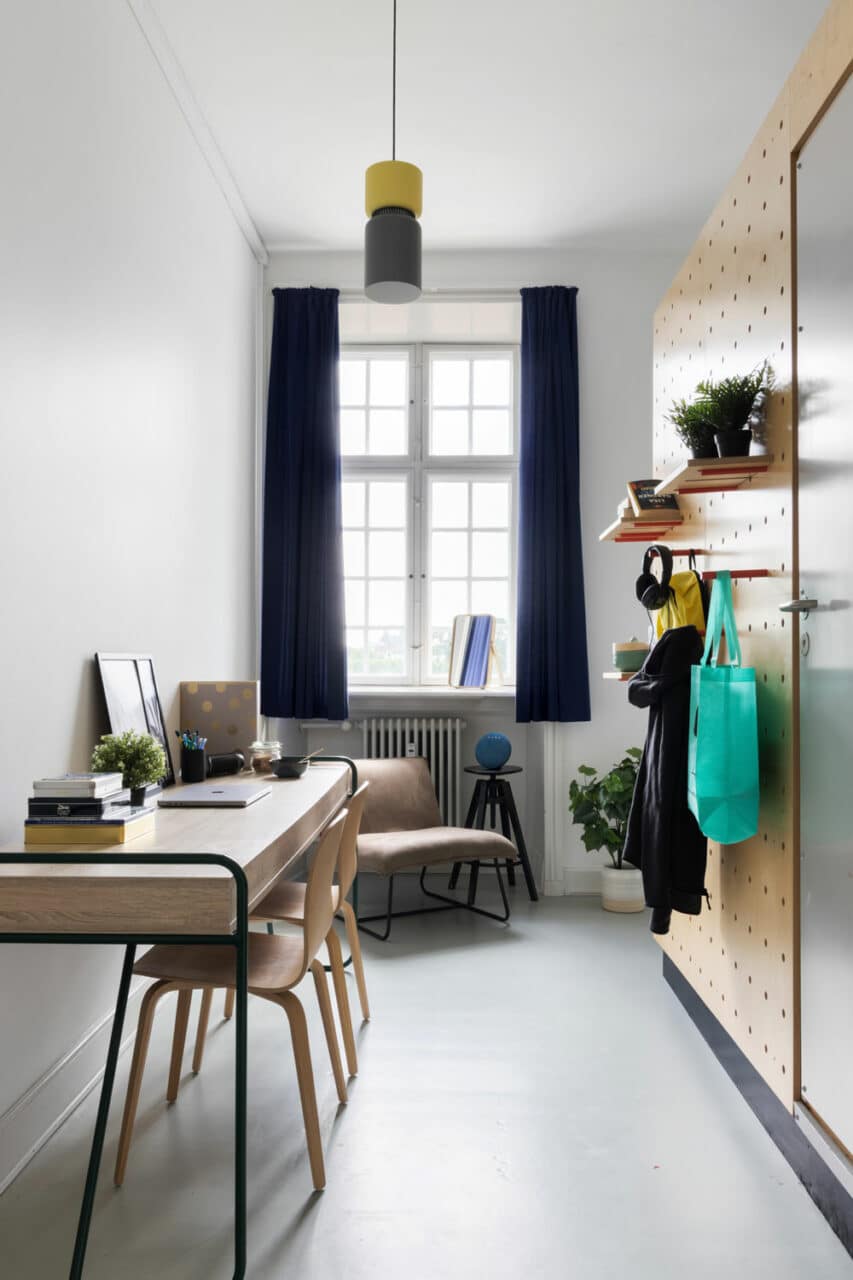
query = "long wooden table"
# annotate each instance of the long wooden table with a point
(194, 879)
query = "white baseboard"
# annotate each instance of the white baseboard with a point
(34, 1118)
(583, 880)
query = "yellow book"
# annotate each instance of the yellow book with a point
(103, 833)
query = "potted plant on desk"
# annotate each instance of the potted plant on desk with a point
(601, 806)
(138, 757)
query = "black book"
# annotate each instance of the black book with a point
(75, 806)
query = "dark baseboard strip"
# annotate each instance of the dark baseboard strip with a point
(818, 1179)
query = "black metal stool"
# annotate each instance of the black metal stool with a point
(491, 789)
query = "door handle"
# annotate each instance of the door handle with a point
(799, 606)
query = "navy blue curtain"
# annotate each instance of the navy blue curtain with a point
(303, 652)
(552, 675)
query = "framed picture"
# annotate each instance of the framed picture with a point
(472, 650)
(130, 692)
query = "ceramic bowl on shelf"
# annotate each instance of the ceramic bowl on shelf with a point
(629, 655)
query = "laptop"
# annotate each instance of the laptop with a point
(207, 795)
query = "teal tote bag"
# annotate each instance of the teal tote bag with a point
(722, 763)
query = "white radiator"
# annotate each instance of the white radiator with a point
(438, 738)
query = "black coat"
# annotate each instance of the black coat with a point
(663, 837)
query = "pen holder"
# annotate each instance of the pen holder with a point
(193, 765)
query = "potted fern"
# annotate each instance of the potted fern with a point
(139, 758)
(694, 427)
(734, 406)
(601, 804)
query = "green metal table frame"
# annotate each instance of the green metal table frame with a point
(239, 940)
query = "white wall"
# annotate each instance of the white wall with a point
(126, 484)
(617, 296)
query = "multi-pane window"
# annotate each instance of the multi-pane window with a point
(429, 445)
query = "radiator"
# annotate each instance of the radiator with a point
(438, 738)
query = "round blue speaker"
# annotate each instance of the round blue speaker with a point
(493, 750)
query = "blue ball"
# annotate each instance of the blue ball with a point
(493, 750)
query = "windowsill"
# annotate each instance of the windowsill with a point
(428, 697)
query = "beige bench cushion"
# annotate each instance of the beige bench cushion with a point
(388, 852)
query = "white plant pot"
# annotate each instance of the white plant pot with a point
(622, 890)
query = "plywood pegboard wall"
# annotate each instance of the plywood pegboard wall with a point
(731, 306)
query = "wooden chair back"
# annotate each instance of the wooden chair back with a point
(348, 857)
(319, 908)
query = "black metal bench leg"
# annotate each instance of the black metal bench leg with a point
(388, 916)
(86, 1207)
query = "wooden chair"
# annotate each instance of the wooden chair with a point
(286, 902)
(402, 829)
(276, 965)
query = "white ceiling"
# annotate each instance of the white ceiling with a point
(538, 123)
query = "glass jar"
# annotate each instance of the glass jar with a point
(262, 751)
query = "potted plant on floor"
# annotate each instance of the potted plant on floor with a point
(694, 427)
(138, 757)
(735, 406)
(601, 806)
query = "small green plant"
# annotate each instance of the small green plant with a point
(601, 804)
(735, 403)
(138, 757)
(693, 425)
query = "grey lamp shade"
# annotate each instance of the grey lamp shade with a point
(392, 256)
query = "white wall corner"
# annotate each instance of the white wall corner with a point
(554, 872)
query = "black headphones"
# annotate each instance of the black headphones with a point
(653, 593)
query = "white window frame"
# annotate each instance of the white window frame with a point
(417, 466)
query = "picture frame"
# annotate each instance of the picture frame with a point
(472, 651)
(132, 699)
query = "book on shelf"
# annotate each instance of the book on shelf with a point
(645, 504)
(98, 831)
(81, 786)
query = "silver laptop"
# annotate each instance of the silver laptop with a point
(207, 795)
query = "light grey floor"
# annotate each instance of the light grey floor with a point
(532, 1102)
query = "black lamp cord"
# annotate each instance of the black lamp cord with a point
(394, 90)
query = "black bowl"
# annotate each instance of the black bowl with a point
(289, 766)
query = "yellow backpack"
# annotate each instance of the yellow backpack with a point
(676, 599)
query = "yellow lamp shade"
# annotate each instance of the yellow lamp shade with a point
(393, 184)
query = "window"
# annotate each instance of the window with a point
(429, 442)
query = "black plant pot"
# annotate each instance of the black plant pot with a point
(698, 451)
(733, 444)
(137, 796)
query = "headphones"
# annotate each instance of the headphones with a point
(653, 593)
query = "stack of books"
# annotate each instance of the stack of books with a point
(84, 808)
(644, 515)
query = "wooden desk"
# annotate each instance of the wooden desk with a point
(263, 839)
(193, 879)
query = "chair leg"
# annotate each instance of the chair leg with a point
(357, 961)
(319, 975)
(140, 1052)
(179, 1037)
(228, 1008)
(339, 981)
(201, 1029)
(305, 1078)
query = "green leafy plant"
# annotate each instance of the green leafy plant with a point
(693, 425)
(138, 757)
(735, 403)
(601, 804)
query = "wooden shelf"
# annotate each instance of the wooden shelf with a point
(640, 530)
(714, 475)
(621, 676)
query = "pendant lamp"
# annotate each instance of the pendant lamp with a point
(393, 198)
